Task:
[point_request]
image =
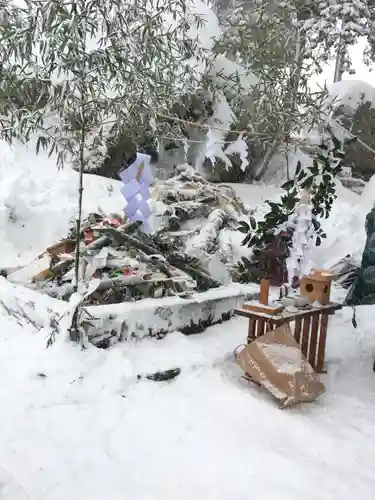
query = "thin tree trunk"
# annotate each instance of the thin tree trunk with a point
(337, 77)
(81, 161)
(75, 334)
(79, 209)
(262, 166)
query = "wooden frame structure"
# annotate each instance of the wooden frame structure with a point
(310, 329)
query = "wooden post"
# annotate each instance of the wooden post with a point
(314, 339)
(251, 330)
(261, 327)
(297, 330)
(264, 291)
(305, 335)
(322, 343)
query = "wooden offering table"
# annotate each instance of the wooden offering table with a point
(310, 329)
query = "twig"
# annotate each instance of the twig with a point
(209, 127)
(54, 324)
(19, 315)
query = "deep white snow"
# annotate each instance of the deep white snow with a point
(78, 424)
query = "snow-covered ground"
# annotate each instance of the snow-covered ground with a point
(78, 424)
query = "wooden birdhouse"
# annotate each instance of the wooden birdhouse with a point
(317, 286)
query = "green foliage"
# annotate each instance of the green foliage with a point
(247, 271)
(319, 180)
(271, 237)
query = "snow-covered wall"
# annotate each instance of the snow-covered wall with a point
(157, 317)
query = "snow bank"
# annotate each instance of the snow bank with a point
(37, 202)
(345, 229)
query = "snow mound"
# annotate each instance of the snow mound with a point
(351, 93)
(345, 229)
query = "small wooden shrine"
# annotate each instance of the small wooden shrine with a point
(317, 286)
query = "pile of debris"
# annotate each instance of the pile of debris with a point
(119, 262)
(194, 211)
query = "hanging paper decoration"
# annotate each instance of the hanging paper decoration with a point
(299, 263)
(137, 179)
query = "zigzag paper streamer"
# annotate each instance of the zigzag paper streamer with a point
(137, 179)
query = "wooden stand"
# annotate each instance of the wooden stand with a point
(310, 329)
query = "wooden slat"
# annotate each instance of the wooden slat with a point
(264, 291)
(305, 335)
(261, 323)
(314, 340)
(297, 330)
(322, 343)
(288, 317)
(269, 327)
(263, 309)
(251, 330)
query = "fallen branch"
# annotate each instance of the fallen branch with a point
(20, 315)
(163, 267)
(180, 260)
(203, 279)
(206, 239)
(185, 210)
